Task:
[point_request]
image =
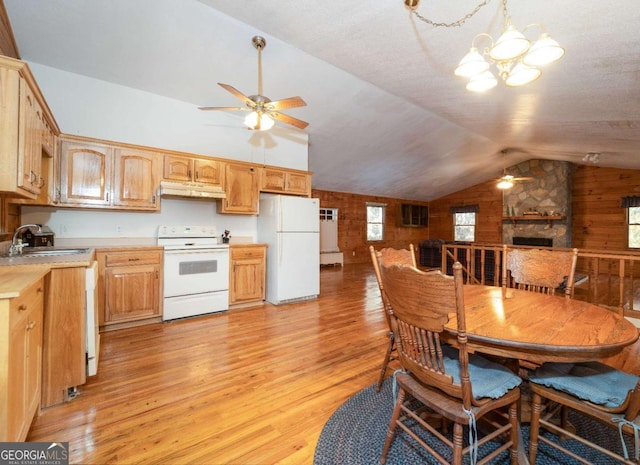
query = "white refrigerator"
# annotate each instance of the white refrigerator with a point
(290, 226)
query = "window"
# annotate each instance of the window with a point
(413, 215)
(632, 204)
(375, 221)
(464, 227)
(634, 227)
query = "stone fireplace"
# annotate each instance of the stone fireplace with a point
(549, 193)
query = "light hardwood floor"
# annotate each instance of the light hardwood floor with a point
(251, 387)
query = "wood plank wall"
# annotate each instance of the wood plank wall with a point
(352, 224)
(599, 223)
(489, 219)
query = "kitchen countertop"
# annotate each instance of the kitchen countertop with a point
(14, 280)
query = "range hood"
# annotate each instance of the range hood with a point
(191, 189)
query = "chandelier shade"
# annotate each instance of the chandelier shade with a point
(472, 64)
(482, 82)
(522, 74)
(544, 51)
(511, 44)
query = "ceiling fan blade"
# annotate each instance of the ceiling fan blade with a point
(250, 103)
(289, 120)
(291, 102)
(224, 108)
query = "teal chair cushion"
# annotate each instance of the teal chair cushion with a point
(591, 381)
(488, 379)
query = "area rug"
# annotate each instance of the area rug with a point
(355, 434)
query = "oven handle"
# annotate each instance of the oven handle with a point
(183, 251)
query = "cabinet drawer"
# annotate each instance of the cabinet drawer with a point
(32, 298)
(248, 253)
(133, 258)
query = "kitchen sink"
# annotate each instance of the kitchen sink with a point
(46, 252)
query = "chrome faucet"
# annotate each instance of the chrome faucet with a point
(15, 248)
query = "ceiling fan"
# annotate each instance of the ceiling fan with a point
(263, 110)
(507, 181)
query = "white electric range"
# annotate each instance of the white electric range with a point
(196, 271)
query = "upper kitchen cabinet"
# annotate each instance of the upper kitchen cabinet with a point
(101, 175)
(242, 188)
(85, 173)
(136, 179)
(27, 132)
(285, 181)
(183, 168)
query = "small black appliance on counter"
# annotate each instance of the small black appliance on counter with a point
(44, 238)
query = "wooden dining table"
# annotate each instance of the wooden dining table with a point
(540, 328)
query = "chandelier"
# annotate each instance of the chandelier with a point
(517, 60)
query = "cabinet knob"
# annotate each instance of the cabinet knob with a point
(22, 308)
(31, 325)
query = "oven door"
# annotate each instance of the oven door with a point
(195, 271)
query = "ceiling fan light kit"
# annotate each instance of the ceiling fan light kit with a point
(263, 111)
(516, 58)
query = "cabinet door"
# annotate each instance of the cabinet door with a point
(247, 275)
(208, 171)
(298, 183)
(177, 168)
(136, 179)
(241, 185)
(33, 362)
(30, 141)
(273, 180)
(25, 361)
(131, 292)
(16, 412)
(85, 174)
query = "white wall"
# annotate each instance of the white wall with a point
(89, 107)
(71, 223)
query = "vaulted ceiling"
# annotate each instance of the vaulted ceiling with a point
(387, 116)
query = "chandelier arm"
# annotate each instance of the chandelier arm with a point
(486, 50)
(413, 5)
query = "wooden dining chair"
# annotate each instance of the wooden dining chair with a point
(391, 256)
(598, 391)
(539, 270)
(462, 387)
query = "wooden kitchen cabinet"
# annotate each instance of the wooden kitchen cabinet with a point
(21, 360)
(188, 169)
(136, 179)
(26, 127)
(64, 340)
(100, 175)
(247, 270)
(85, 173)
(129, 286)
(285, 181)
(242, 189)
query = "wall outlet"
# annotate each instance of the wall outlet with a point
(118, 229)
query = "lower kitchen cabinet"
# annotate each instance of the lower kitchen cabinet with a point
(20, 360)
(247, 273)
(129, 286)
